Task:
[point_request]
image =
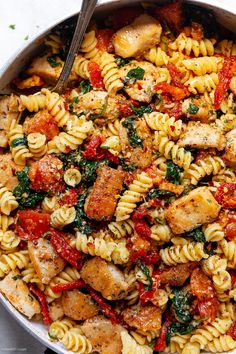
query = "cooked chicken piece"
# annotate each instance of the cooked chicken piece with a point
(31, 81)
(9, 110)
(56, 311)
(78, 306)
(133, 40)
(7, 171)
(101, 203)
(103, 335)
(104, 277)
(177, 276)
(100, 104)
(138, 156)
(202, 136)
(199, 109)
(141, 89)
(197, 208)
(232, 85)
(146, 318)
(230, 150)
(45, 260)
(17, 292)
(42, 122)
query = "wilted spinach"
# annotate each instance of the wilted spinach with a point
(81, 220)
(173, 172)
(134, 139)
(197, 235)
(181, 304)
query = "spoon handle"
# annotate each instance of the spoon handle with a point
(84, 17)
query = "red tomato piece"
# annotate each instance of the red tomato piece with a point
(139, 213)
(142, 229)
(232, 273)
(201, 286)
(104, 40)
(58, 288)
(124, 108)
(43, 303)
(230, 231)
(225, 195)
(70, 197)
(32, 224)
(44, 123)
(208, 309)
(92, 151)
(161, 340)
(232, 330)
(95, 75)
(172, 14)
(46, 175)
(148, 258)
(175, 75)
(225, 76)
(175, 111)
(125, 16)
(176, 92)
(146, 295)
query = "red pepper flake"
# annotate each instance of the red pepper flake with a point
(95, 75)
(43, 303)
(225, 76)
(224, 195)
(65, 251)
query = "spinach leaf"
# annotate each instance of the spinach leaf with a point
(173, 172)
(70, 159)
(197, 235)
(139, 111)
(126, 167)
(134, 74)
(181, 329)
(88, 169)
(134, 139)
(193, 109)
(85, 86)
(19, 142)
(181, 305)
(31, 199)
(81, 220)
(121, 61)
(159, 194)
(52, 61)
(24, 181)
(146, 271)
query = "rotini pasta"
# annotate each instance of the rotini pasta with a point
(183, 254)
(202, 84)
(75, 341)
(80, 67)
(189, 45)
(58, 329)
(88, 47)
(7, 203)
(8, 240)
(226, 47)
(33, 103)
(213, 232)
(18, 144)
(110, 74)
(130, 346)
(11, 261)
(202, 66)
(121, 228)
(37, 144)
(221, 344)
(5, 221)
(62, 216)
(157, 56)
(165, 124)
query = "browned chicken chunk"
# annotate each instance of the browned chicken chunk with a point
(230, 150)
(133, 40)
(78, 306)
(17, 292)
(103, 335)
(45, 260)
(56, 311)
(138, 156)
(199, 109)
(9, 110)
(7, 171)
(146, 318)
(101, 203)
(177, 276)
(197, 208)
(104, 277)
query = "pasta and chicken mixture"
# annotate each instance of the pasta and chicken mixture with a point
(117, 198)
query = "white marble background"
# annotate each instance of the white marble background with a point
(28, 18)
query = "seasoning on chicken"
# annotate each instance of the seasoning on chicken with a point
(145, 318)
(230, 150)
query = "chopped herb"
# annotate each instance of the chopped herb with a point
(121, 62)
(173, 172)
(52, 61)
(19, 142)
(76, 99)
(46, 234)
(210, 248)
(134, 74)
(181, 305)
(181, 329)
(103, 110)
(157, 98)
(146, 271)
(139, 111)
(18, 276)
(26, 38)
(209, 201)
(85, 87)
(52, 337)
(81, 220)
(12, 27)
(70, 159)
(193, 109)
(197, 235)
(159, 194)
(126, 167)
(134, 138)
(88, 169)
(24, 182)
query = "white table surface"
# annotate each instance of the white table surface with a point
(28, 17)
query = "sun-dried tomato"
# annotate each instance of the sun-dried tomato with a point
(161, 340)
(142, 229)
(31, 224)
(175, 111)
(70, 197)
(43, 303)
(225, 195)
(175, 75)
(58, 288)
(230, 231)
(208, 309)
(148, 258)
(232, 330)
(225, 76)
(104, 40)
(65, 251)
(95, 75)
(176, 92)
(140, 213)
(93, 151)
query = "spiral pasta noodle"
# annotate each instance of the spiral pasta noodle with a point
(226, 47)
(19, 150)
(201, 84)
(161, 233)
(62, 216)
(88, 47)
(143, 337)
(221, 344)
(198, 47)
(226, 122)
(5, 221)
(130, 346)
(213, 232)
(227, 309)
(132, 196)
(29, 276)
(11, 261)
(110, 74)
(193, 251)
(229, 250)
(8, 240)
(222, 281)
(56, 106)
(205, 167)
(121, 228)
(112, 128)
(75, 341)
(165, 123)
(50, 204)
(157, 56)
(172, 151)
(33, 103)
(37, 144)
(53, 41)
(191, 348)
(80, 67)
(203, 65)
(7, 203)
(214, 264)
(58, 329)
